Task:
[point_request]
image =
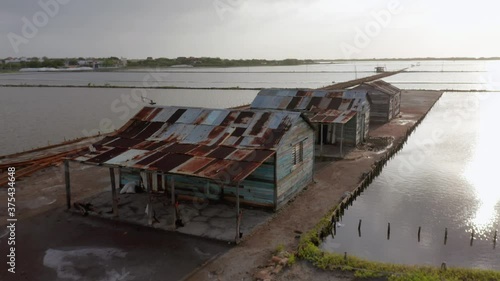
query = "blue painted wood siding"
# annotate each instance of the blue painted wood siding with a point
(293, 178)
(258, 187)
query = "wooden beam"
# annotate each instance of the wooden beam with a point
(68, 184)
(164, 186)
(238, 217)
(342, 141)
(113, 191)
(334, 134)
(172, 190)
(150, 202)
(321, 140)
(119, 178)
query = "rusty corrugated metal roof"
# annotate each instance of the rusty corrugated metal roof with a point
(333, 116)
(384, 87)
(218, 144)
(320, 106)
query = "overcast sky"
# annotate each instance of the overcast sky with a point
(269, 29)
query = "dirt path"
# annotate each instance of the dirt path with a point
(332, 181)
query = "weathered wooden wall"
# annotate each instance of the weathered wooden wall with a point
(260, 187)
(293, 178)
(384, 107)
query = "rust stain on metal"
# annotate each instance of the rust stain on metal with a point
(329, 106)
(144, 113)
(221, 152)
(179, 148)
(260, 124)
(195, 142)
(201, 150)
(244, 117)
(193, 165)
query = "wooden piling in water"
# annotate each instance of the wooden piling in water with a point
(472, 237)
(419, 228)
(359, 228)
(388, 231)
(445, 235)
(495, 240)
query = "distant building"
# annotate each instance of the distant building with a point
(340, 117)
(385, 100)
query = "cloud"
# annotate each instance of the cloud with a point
(248, 28)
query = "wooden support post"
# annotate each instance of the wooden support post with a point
(238, 214)
(172, 191)
(359, 228)
(334, 135)
(388, 231)
(321, 140)
(68, 184)
(445, 235)
(113, 192)
(472, 237)
(419, 228)
(342, 141)
(150, 203)
(164, 185)
(119, 178)
(495, 240)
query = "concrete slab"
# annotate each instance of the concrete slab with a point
(210, 220)
(63, 246)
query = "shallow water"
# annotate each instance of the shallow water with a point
(456, 75)
(34, 117)
(444, 177)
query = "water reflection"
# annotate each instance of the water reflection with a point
(481, 171)
(454, 188)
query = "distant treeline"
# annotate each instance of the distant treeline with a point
(213, 62)
(32, 63)
(35, 62)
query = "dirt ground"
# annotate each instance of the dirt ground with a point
(332, 181)
(45, 191)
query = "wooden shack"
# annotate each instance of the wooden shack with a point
(340, 117)
(385, 100)
(253, 157)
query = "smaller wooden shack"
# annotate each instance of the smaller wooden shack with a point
(385, 100)
(340, 117)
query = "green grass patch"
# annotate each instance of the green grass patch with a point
(309, 250)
